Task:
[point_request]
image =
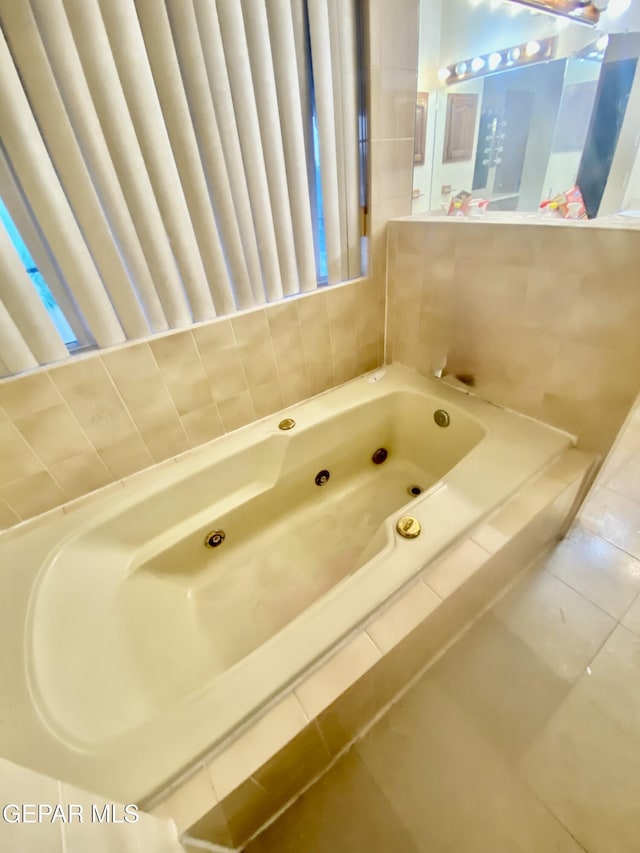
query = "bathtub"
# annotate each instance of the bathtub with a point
(131, 648)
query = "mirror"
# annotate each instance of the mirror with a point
(516, 107)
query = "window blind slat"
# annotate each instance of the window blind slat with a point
(160, 46)
(244, 106)
(220, 89)
(38, 180)
(103, 82)
(127, 44)
(21, 300)
(15, 355)
(194, 73)
(60, 140)
(67, 68)
(291, 120)
(271, 133)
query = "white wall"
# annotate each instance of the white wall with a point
(458, 175)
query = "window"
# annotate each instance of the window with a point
(53, 309)
(171, 179)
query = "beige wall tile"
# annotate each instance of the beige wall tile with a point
(399, 31)
(166, 440)
(18, 459)
(53, 433)
(339, 672)
(183, 372)
(137, 377)
(90, 394)
(402, 616)
(81, 474)
(24, 395)
(282, 317)
(236, 411)
(541, 333)
(288, 349)
(254, 747)
(451, 572)
(203, 424)
(266, 398)
(255, 802)
(32, 495)
(188, 801)
(126, 456)
(226, 374)
(391, 175)
(294, 386)
(259, 362)
(212, 337)
(250, 329)
(320, 374)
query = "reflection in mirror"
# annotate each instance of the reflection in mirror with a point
(517, 107)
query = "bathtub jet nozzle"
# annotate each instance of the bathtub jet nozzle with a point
(214, 538)
(322, 477)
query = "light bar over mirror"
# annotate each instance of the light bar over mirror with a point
(583, 11)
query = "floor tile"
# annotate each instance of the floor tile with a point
(615, 518)
(631, 618)
(506, 690)
(444, 780)
(560, 625)
(612, 681)
(345, 812)
(601, 572)
(586, 770)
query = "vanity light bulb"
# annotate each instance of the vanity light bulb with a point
(532, 48)
(461, 69)
(514, 54)
(443, 75)
(494, 60)
(477, 64)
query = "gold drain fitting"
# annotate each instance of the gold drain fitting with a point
(287, 423)
(409, 527)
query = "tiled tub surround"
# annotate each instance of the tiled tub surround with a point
(227, 798)
(544, 316)
(114, 748)
(69, 430)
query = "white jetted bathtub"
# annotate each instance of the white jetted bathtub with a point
(130, 648)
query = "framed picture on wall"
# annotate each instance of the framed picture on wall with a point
(420, 132)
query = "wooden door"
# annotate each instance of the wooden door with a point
(460, 128)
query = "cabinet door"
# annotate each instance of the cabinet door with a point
(460, 128)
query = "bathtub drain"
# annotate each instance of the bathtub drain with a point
(322, 477)
(414, 491)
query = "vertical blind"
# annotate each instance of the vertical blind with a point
(168, 161)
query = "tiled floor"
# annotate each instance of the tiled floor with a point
(525, 736)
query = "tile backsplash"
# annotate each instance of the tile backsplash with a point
(544, 317)
(68, 430)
